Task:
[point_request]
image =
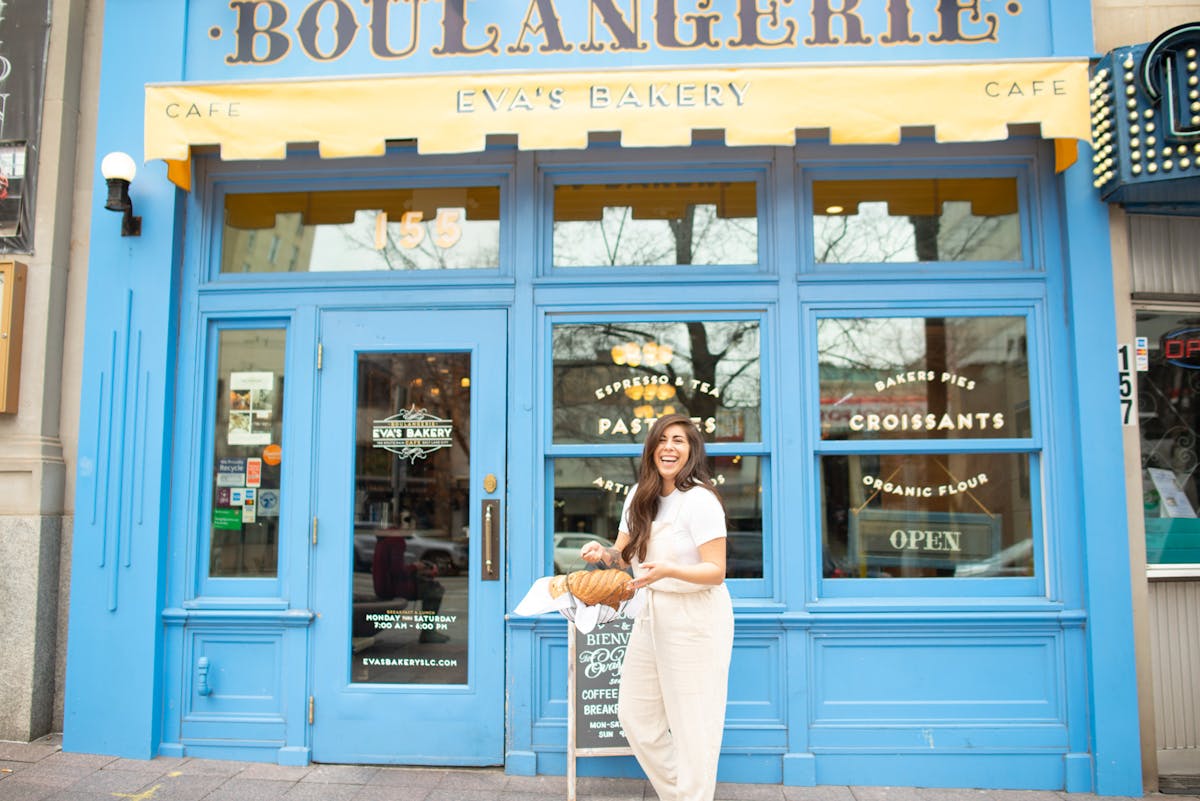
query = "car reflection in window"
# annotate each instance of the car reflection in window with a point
(743, 554)
(448, 556)
(1015, 560)
(566, 550)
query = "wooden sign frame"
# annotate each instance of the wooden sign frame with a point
(12, 322)
(573, 751)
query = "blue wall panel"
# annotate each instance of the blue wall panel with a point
(1012, 771)
(240, 675)
(757, 692)
(956, 677)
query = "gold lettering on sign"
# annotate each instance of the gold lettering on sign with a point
(447, 229)
(926, 491)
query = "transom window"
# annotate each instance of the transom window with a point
(655, 224)
(425, 228)
(916, 220)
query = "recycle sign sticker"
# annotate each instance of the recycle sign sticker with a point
(412, 433)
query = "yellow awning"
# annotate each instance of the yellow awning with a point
(455, 113)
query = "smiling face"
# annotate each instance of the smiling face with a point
(671, 454)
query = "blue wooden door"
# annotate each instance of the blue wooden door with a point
(408, 645)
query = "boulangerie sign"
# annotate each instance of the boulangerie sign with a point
(24, 44)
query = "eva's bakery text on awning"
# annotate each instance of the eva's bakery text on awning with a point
(962, 102)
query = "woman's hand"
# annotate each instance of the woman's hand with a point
(606, 556)
(592, 552)
(653, 571)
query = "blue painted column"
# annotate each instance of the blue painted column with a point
(1114, 739)
(524, 469)
(113, 700)
(1112, 677)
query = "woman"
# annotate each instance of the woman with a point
(674, 678)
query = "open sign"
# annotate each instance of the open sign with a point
(1182, 348)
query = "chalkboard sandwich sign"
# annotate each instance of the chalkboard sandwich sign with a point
(600, 606)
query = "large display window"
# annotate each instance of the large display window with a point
(613, 379)
(1167, 365)
(923, 378)
(610, 381)
(928, 458)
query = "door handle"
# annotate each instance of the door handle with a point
(491, 540)
(202, 685)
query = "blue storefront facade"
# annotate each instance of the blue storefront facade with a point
(413, 278)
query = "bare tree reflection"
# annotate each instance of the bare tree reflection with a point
(622, 237)
(873, 235)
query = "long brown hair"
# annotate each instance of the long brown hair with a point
(644, 506)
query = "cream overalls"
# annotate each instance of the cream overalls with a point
(675, 676)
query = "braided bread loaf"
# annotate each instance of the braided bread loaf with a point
(608, 587)
(558, 585)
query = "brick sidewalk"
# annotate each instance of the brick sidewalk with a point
(40, 771)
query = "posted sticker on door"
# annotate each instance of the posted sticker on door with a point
(412, 433)
(231, 472)
(254, 472)
(227, 519)
(251, 408)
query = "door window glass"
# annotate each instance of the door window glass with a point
(916, 220)
(247, 454)
(434, 228)
(412, 467)
(1168, 405)
(589, 494)
(655, 224)
(613, 380)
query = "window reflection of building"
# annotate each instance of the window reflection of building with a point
(916, 220)
(918, 379)
(638, 225)
(411, 512)
(941, 515)
(603, 381)
(428, 492)
(612, 380)
(589, 494)
(430, 228)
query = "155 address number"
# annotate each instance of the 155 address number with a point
(445, 231)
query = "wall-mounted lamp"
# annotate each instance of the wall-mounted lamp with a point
(118, 170)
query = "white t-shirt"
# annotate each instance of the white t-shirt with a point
(698, 518)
